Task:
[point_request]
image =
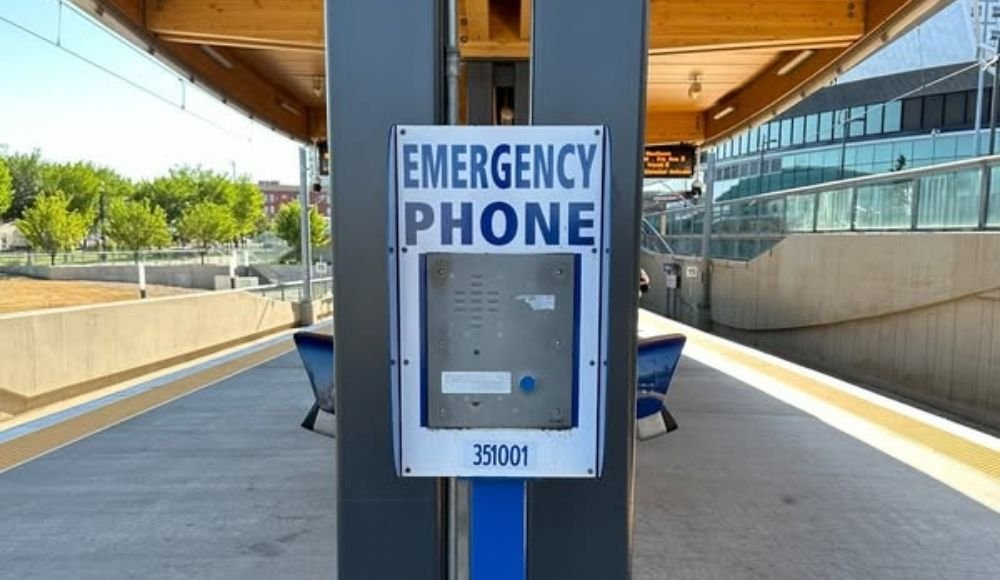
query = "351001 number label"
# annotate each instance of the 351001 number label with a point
(499, 455)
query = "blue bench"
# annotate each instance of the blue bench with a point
(657, 361)
(655, 367)
(317, 354)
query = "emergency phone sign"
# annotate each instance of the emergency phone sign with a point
(498, 262)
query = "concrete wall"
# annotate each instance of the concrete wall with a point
(914, 314)
(182, 276)
(53, 354)
(688, 302)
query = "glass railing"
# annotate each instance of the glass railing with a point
(964, 195)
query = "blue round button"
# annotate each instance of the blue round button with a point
(528, 383)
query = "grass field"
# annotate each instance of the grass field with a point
(20, 294)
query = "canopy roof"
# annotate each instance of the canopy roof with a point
(715, 66)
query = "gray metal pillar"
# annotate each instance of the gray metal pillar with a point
(384, 66)
(589, 66)
(305, 229)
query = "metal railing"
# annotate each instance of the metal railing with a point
(964, 195)
(322, 288)
(166, 257)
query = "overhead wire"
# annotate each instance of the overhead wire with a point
(60, 45)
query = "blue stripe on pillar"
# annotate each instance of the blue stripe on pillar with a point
(497, 546)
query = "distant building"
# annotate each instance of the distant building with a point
(277, 195)
(11, 238)
(876, 125)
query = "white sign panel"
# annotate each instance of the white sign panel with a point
(498, 258)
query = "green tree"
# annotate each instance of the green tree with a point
(185, 186)
(248, 208)
(26, 181)
(79, 181)
(137, 225)
(174, 192)
(206, 224)
(6, 189)
(113, 187)
(51, 225)
(287, 226)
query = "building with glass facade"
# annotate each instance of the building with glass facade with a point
(877, 125)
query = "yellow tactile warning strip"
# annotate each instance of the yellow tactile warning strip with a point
(38, 443)
(970, 454)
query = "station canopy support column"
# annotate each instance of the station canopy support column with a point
(384, 65)
(589, 67)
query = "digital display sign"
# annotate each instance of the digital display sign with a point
(669, 161)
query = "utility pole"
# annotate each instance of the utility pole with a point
(305, 239)
(993, 105)
(982, 37)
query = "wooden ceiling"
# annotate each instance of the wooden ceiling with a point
(715, 66)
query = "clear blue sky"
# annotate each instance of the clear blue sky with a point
(946, 38)
(71, 110)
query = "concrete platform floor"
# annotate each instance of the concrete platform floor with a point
(224, 484)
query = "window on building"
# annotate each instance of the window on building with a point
(753, 136)
(883, 157)
(839, 120)
(912, 114)
(798, 130)
(873, 120)
(826, 126)
(856, 126)
(892, 117)
(933, 112)
(970, 108)
(786, 133)
(812, 128)
(954, 110)
(923, 149)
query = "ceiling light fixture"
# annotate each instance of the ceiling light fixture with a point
(795, 62)
(286, 106)
(724, 112)
(217, 57)
(694, 91)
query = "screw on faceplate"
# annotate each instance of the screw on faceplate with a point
(402, 131)
(559, 272)
(442, 272)
(406, 470)
(597, 131)
(406, 361)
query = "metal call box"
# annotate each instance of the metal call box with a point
(500, 340)
(498, 265)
